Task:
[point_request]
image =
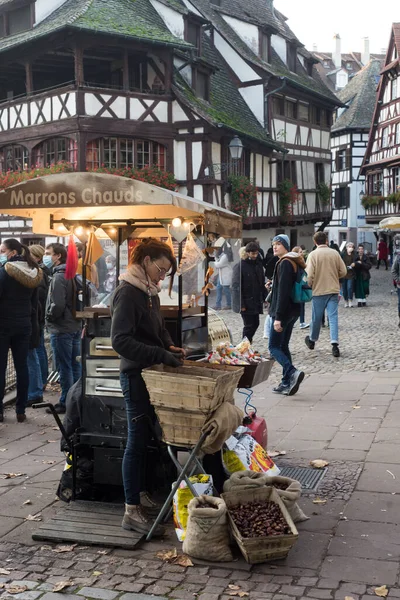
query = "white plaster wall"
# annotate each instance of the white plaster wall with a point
(240, 67)
(178, 114)
(247, 32)
(266, 172)
(44, 8)
(259, 169)
(216, 157)
(279, 45)
(197, 156)
(172, 18)
(192, 8)
(198, 192)
(180, 159)
(254, 98)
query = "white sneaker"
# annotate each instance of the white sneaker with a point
(346, 304)
(304, 325)
(350, 304)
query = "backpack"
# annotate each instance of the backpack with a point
(301, 291)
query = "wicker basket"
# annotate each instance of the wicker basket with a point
(198, 387)
(261, 549)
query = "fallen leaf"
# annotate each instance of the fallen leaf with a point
(61, 585)
(27, 502)
(240, 594)
(356, 406)
(97, 573)
(390, 473)
(234, 587)
(168, 555)
(348, 598)
(102, 551)
(3, 449)
(382, 591)
(274, 453)
(51, 441)
(42, 432)
(319, 464)
(183, 561)
(319, 501)
(49, 462)
(69, 548)
(37, 517)
(16, 589)
(4, 571)
(11, 475)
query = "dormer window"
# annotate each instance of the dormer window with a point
(201, 83)
(291, 57)
(265, 46)
(17, 20)
(309, 67)
(193, 33)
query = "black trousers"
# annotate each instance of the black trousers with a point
(18, 343)
(250, 325)
(385, 262)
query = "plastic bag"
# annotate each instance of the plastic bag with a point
(192, 255)
(207, 535)
(245, 454)
(203, 484)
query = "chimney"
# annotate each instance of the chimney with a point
(337, 51)
(315, 48)
(365, 54)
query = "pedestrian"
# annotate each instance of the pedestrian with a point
(110, 280)
(382, 254)
(20, 277)
(269, 263)
(253, 290)
(284, 314)
(333, 245)
(396, 279)
(349, 258)
(223, 266)
(38, 364)
(139, 336)
(325, 268)
(362, 269)
(303, 325)
(61, 323)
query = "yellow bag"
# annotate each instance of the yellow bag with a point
(203, 484)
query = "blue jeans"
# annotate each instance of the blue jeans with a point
(302, 313)
(328, 302)
(279, 348)
(398, 298)
(35, 390)
(347, 287)
(223, 289)
(137, 404)
(18, 342)
(66, 348)
(43, 359)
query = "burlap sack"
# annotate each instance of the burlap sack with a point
(207, 533)
(290, 496)
(246, 480)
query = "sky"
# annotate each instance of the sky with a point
(316, 22)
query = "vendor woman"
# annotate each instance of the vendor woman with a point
(139, 336)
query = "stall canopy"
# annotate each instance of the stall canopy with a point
(390, 223)
(53, 201)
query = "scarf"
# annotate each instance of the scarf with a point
(137, 276)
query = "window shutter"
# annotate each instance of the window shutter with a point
(337, 197)
(337, 160)
(348, 159)
(347, 197)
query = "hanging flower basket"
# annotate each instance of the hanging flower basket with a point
(288, 198)
(243, 195)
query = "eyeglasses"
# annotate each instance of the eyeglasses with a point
(163, 272)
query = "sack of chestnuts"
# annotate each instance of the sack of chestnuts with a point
(259, 519)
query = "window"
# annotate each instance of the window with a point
(309, 67)
(193, 34)
(125, 152)
(394, 89)
(349, 66)
(291, 52)
(14, 158)
(375, 184)
(385, 137)
(19, 20)
(397, 134)
(319, 173)
(290, 109)
(277, 106)
(287, 170)
(265, 46)
(343, 159)
(396, 179)
(303, 111)
(53, 151)
(201, 84)
(342, 197)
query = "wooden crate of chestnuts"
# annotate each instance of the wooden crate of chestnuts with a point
(260, 524)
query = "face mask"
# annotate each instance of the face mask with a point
(47, 261)
(109, 266)
(3, 259)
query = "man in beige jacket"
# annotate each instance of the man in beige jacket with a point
(324, 269)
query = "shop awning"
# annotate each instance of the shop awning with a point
(390, 223)
(105, 198)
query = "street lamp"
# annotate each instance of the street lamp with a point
(362, 193)
(235, 150)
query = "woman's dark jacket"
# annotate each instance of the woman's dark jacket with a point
(348, 260)
(138, 332)
(282, 307)
(19, 299)
(42, 295)
(364, 268)
(253, 291)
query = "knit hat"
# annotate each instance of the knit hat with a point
(282, 239)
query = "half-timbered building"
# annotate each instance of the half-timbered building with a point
(124, 83)
(381, 165)
(349, 138)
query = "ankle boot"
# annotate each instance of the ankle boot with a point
(136, 519)
(152, 508)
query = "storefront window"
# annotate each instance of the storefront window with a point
(124, 153)
(14, 158)
(53, 151)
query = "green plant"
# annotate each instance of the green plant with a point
(153, 175)
(9, 178)
(243, 195)
(324, 192)
(288, 196)
(393, 198)
(368, 201)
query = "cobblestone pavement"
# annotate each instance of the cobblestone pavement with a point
(346, 412)
(369, 337)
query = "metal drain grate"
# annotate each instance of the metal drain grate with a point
(309, 478)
